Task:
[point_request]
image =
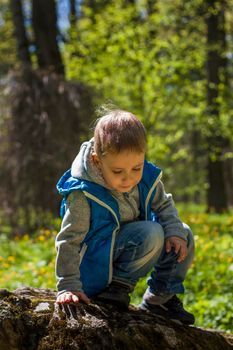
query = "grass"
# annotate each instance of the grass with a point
(30, 260)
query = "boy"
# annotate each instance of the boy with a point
(119, 223)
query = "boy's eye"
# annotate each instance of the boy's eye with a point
(120, 171)
(117, 171)
(137, 169)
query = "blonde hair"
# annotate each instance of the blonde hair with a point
(117, 131)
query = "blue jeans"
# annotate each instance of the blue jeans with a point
(139, 246)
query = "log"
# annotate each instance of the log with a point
(30, 320)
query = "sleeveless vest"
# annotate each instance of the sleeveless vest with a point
(96, 252)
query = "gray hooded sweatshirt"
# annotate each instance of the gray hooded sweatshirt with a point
(76, 221)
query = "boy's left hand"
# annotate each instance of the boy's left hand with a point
(179, 245)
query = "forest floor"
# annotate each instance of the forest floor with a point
(29, 260)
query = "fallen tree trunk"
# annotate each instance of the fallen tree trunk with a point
(29, 320)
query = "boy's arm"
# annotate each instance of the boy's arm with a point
(167, 213)
(74, 227)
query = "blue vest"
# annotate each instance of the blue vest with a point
(96, 252)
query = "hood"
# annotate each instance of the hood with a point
(83, 166)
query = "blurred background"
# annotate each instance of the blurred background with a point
(168, 62)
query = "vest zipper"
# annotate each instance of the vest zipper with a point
(126, 196)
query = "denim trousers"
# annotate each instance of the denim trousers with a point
(139, 248)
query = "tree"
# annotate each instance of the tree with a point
(20, 32)
(44, 28)
(8, 48)
(44, 21)
(30, 319)
(73, 13)
(41, 130)
(216, 75)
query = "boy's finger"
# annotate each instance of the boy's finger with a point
(177, 247)
(183, 253)
(75, 298)
(68, 298)
(86, 299)
(168, 246)
(60, 299)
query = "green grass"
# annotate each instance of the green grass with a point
(30, 261)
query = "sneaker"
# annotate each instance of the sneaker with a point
(172, 309)
(116, 294)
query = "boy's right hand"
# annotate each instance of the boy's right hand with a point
(72, 297)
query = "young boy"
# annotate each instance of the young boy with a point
(119, 223)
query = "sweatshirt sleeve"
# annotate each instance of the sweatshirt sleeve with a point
(74, 227)
(167, 214)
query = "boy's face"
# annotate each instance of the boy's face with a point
(121, 171)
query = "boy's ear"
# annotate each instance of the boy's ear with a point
(95, 158)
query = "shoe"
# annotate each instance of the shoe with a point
(172, 309)
(116, 294)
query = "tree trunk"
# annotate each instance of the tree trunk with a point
(20, 33)
(29, 320)
(216, 67)
(73, 14)
(44, 21)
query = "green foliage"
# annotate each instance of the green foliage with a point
(155, 66)
(7, 41)
(27, 260)
(30, 261)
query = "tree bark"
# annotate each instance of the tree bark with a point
(216, 67)
(49, 117)
(29, 320)
(44, 21)
(73, 14)
(20, 32)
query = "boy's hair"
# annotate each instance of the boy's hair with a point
(118, 131)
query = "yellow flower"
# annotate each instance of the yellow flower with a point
(11, 258)
(41, 238)
(5, 265)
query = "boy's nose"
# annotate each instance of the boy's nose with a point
(126, 177)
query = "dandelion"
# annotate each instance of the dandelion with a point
(11, 258)
(6, 265)
(42, 271)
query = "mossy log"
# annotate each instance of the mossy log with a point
(30, 320)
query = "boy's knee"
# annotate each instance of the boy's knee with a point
(154, 235)
(190, 238)
(189, 234)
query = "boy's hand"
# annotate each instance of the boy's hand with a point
(67, 302)
(179, 245)
(72, 297)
